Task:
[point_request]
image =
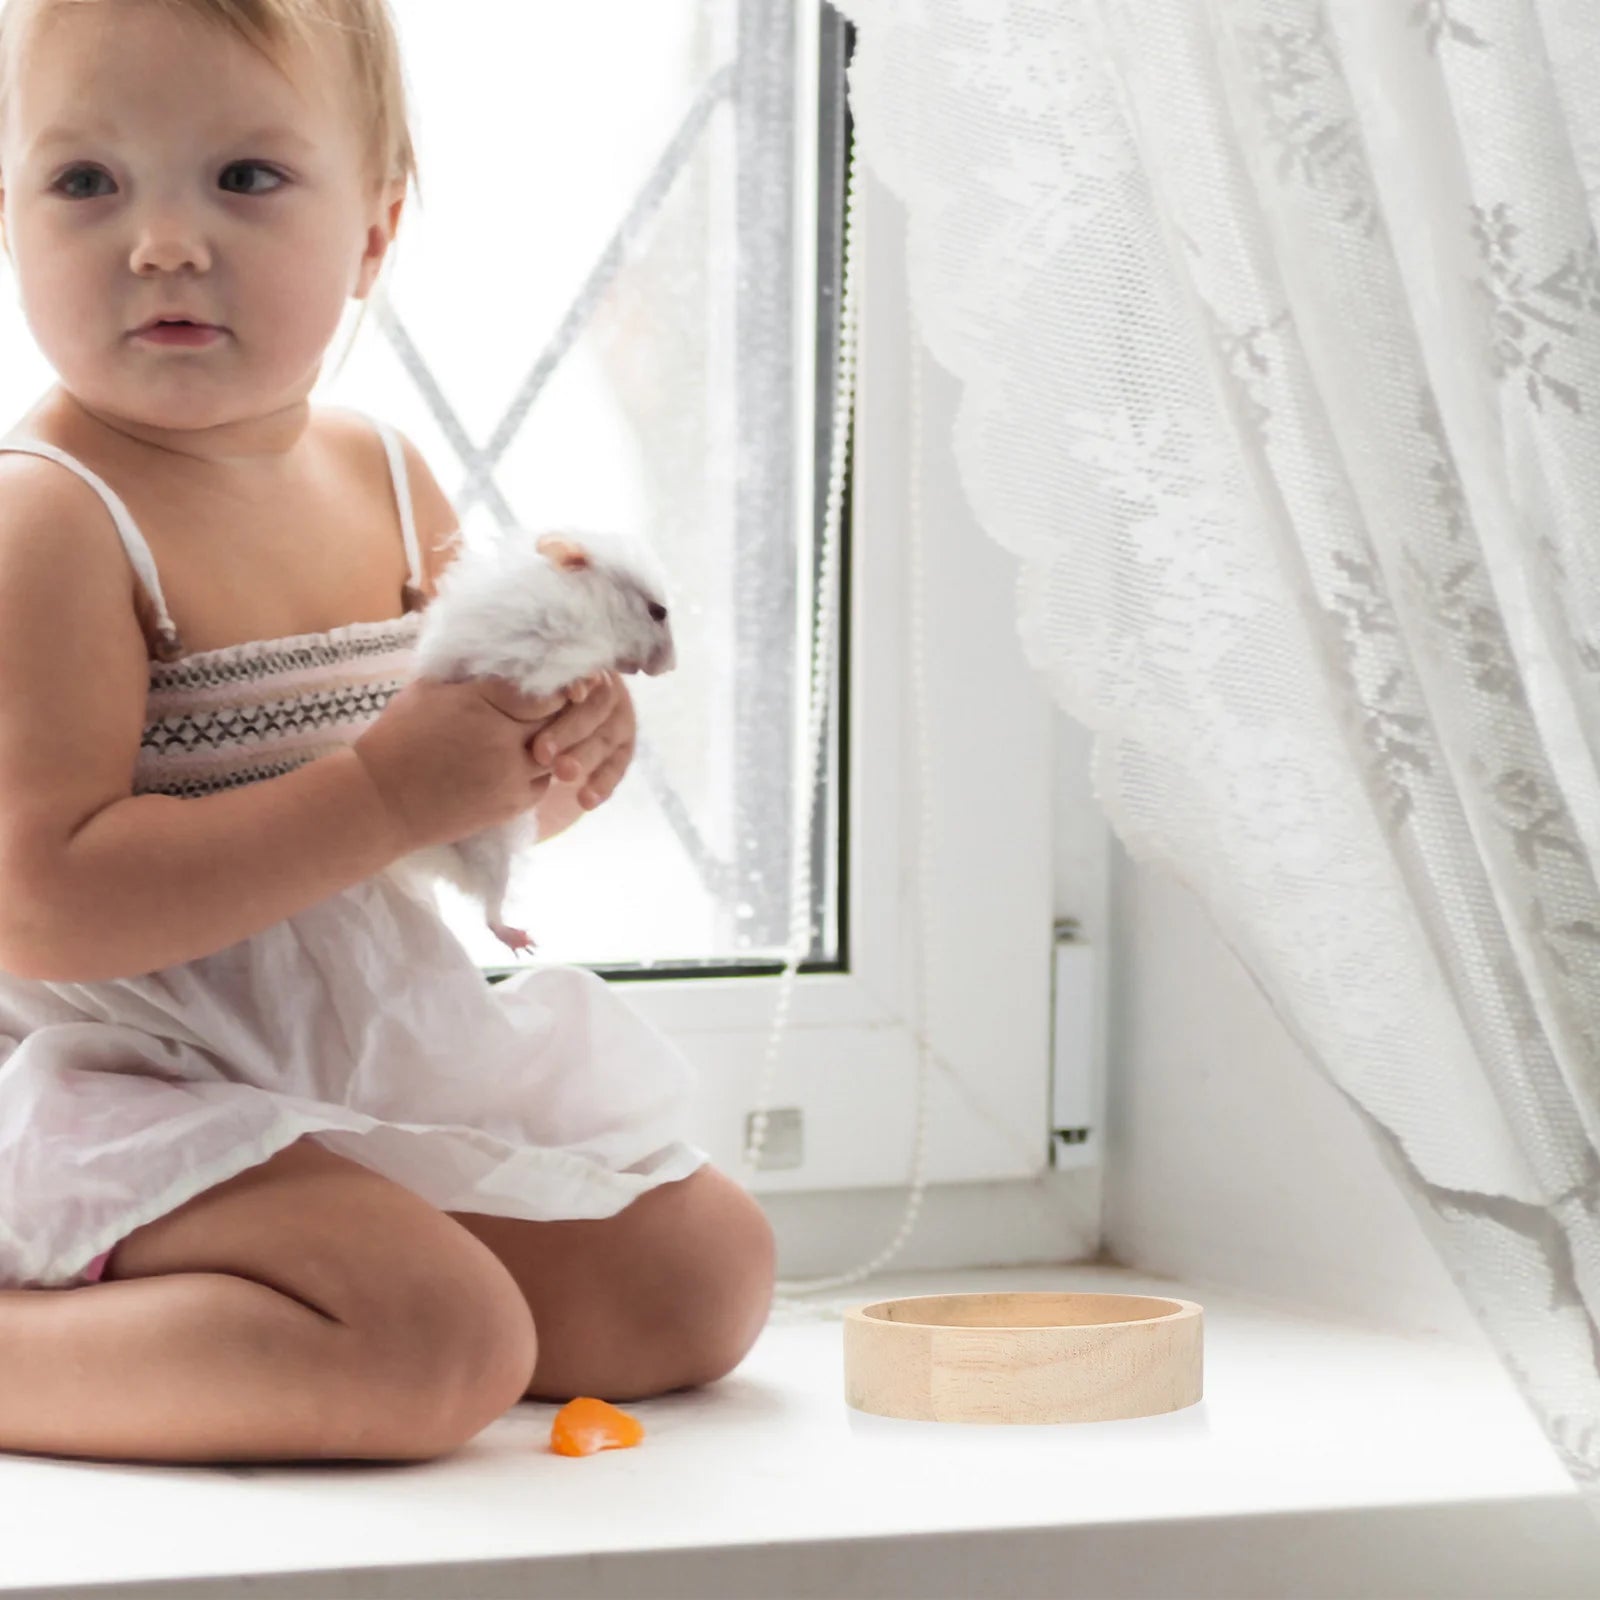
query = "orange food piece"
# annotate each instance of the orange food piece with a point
(585, 1425)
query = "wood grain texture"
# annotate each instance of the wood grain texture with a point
(1022, 1358)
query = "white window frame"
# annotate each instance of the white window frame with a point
(850, 1058)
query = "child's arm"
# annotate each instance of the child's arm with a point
(153, 880)
(97, 883)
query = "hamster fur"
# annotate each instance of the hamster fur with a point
(542, 613)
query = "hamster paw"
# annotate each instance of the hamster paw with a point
(512, 938)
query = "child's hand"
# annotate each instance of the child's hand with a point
(449, 759)
(589, 745)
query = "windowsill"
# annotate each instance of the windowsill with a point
(1326, 1460)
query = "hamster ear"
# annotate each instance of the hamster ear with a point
(563, 553)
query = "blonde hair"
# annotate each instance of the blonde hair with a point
(274, 28)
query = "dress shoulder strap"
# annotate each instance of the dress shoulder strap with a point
(169, 647)
(408, 517)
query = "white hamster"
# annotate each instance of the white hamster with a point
(542, 613)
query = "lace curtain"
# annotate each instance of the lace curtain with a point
(1278, 325)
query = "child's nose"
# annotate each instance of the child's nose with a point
(169, 241)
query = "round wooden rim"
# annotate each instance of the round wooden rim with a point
(864, 1314)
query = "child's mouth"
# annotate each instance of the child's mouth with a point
(180, 333)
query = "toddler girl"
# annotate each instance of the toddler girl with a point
(252, 1088)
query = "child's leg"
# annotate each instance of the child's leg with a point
(669, 1293)
(308, 1309)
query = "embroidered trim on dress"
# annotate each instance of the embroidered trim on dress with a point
(245, 712)
(254, 657)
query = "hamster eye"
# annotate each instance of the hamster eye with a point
(658, 613)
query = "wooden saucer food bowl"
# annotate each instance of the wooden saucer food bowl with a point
(1036, 1357)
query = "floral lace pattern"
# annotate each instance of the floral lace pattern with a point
(1278, 325)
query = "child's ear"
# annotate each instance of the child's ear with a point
(564, 553)
(395, 203)
(379, 237)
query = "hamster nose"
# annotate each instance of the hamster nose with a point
(662, 659)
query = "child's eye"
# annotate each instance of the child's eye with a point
(59, 186)
(257, 166)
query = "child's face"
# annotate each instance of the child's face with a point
(170, 198)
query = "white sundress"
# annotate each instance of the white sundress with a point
(362, 1020)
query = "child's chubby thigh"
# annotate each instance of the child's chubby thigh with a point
(433, 1337)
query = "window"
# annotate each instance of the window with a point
(694, 404)
(604, 314)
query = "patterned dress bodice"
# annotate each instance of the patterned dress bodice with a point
(219, 718)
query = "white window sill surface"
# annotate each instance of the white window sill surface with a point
(1326, 1460)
